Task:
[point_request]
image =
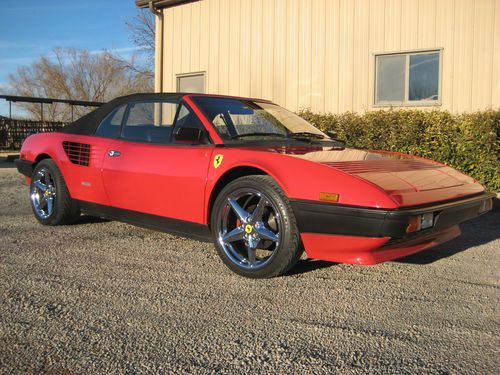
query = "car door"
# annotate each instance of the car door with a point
(85, 154)
(145, 171)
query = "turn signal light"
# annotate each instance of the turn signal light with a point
(329, 197)
(419, 222)
(413, 224)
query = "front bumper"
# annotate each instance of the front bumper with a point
(328, 218)
(368, 250)
(25, 167)
(360, 235)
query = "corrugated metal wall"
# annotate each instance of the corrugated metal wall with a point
(319, 54)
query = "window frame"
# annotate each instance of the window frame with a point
(406, 102)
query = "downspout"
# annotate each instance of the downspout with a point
(159, 47)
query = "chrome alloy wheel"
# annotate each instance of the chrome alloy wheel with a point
(250, 229)
(43, 193)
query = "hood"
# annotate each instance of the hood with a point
(408, 179)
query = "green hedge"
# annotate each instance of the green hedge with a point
(468, 142)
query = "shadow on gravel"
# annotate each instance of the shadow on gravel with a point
(477, 232)
(86, 219)
(6, 162)
(308, 265)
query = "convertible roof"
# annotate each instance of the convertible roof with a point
(87, 125)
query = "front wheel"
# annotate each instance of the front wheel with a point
(254, 228)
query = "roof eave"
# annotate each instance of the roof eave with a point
(158, 4)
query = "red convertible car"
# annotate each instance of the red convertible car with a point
(260, 182)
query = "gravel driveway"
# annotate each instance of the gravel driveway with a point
(105, 297)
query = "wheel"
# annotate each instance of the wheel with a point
(49, 196)
(254, 229)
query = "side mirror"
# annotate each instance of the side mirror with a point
(186, 134)
(333, 135)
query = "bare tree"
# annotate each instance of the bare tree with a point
(142, 33)
(78, 75)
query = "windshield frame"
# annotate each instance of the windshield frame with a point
(241, 140)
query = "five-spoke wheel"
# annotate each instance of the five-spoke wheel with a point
(254, 228)
(49, 196)
(250, 229)
(43, 193)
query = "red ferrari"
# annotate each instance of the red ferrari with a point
(260, 182)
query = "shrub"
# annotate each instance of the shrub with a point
(468, 142)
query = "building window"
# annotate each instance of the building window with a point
(408, 79)
(191, 82)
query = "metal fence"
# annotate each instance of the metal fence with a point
(14, 132)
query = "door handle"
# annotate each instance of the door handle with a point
(113, 153)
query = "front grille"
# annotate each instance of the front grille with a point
(78, 153)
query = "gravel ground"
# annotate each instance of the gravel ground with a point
(105, 297)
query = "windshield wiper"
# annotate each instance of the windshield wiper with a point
(307, 135)
(311, 137)
(257, 135)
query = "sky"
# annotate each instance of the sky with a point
(32, 28)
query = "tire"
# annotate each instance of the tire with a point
(49, 197)
(254, 228)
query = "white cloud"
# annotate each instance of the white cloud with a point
(120, 50)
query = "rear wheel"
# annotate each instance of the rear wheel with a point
(49, 196)
(254, 228)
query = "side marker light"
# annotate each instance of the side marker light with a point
(329, 197)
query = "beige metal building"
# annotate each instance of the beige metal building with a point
(333, 55)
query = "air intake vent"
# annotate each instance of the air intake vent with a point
(384, 166)
(78, 153)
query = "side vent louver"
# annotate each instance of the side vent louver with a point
(78, 153)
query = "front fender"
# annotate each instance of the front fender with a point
(300, 179)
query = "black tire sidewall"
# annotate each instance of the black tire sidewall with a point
(62, 195)
(288, 251)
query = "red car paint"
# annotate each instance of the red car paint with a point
(366, 250)
(178, 181)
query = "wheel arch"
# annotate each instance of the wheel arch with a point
(47, 156)
(226, 178)
(42, 156)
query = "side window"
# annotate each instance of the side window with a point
(110, 126)
(150, 121)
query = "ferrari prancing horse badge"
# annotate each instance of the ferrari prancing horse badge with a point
(218, 160)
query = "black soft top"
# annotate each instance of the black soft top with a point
(87, 125)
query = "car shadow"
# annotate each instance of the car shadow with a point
(308, 265)
(474, 233)
(7, 162)
(87, 219)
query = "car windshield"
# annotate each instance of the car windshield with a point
(240, 120)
